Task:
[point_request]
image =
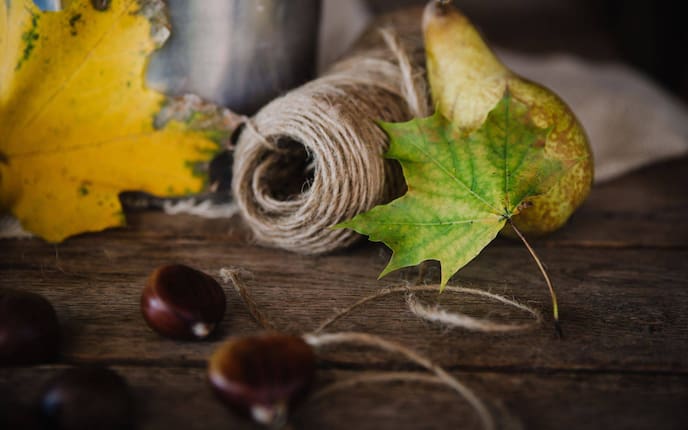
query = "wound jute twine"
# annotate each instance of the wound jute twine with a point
(324, 139)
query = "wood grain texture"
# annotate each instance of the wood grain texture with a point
(620, 268)
(179, 397)
(621, 308)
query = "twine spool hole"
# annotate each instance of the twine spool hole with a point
(288, 172)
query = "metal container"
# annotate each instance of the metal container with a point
(237, 53)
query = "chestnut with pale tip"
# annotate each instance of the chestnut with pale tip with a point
(183, 303)
(262, 377)
(29, 329)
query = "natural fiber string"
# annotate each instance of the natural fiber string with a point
(434, 314)
(375, 377)
(231, 275)
(438, 315)
(453, 319)
(323, 339)
(334, 118)
(386, 377)
(460, 320)
(412, 81)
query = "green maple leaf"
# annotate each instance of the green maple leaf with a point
(462, 188)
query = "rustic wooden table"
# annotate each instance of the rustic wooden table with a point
(620, 267)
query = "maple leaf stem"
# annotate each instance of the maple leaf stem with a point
(555, 306)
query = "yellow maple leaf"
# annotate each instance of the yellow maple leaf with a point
(78, 125)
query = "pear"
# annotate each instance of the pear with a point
(467, 80)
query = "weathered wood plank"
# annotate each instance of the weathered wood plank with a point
(622, 308)
(170, 398)
(619, 267)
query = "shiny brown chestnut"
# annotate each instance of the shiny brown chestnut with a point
(87, 398)
(29, 329)
(182, 303)
(262, 377)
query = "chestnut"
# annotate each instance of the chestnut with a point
(29, 330)
(262, 377)
(86, 398)
(182, 303)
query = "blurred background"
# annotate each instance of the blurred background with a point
(649, 35)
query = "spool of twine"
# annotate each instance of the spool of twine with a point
(314, 157)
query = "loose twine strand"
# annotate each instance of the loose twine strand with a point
(319, 340)
(412, 83)
(375, 377)
(230, 275)
(450, 319)
(438, 315)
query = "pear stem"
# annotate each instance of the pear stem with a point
(555, 306)
(442, 4)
